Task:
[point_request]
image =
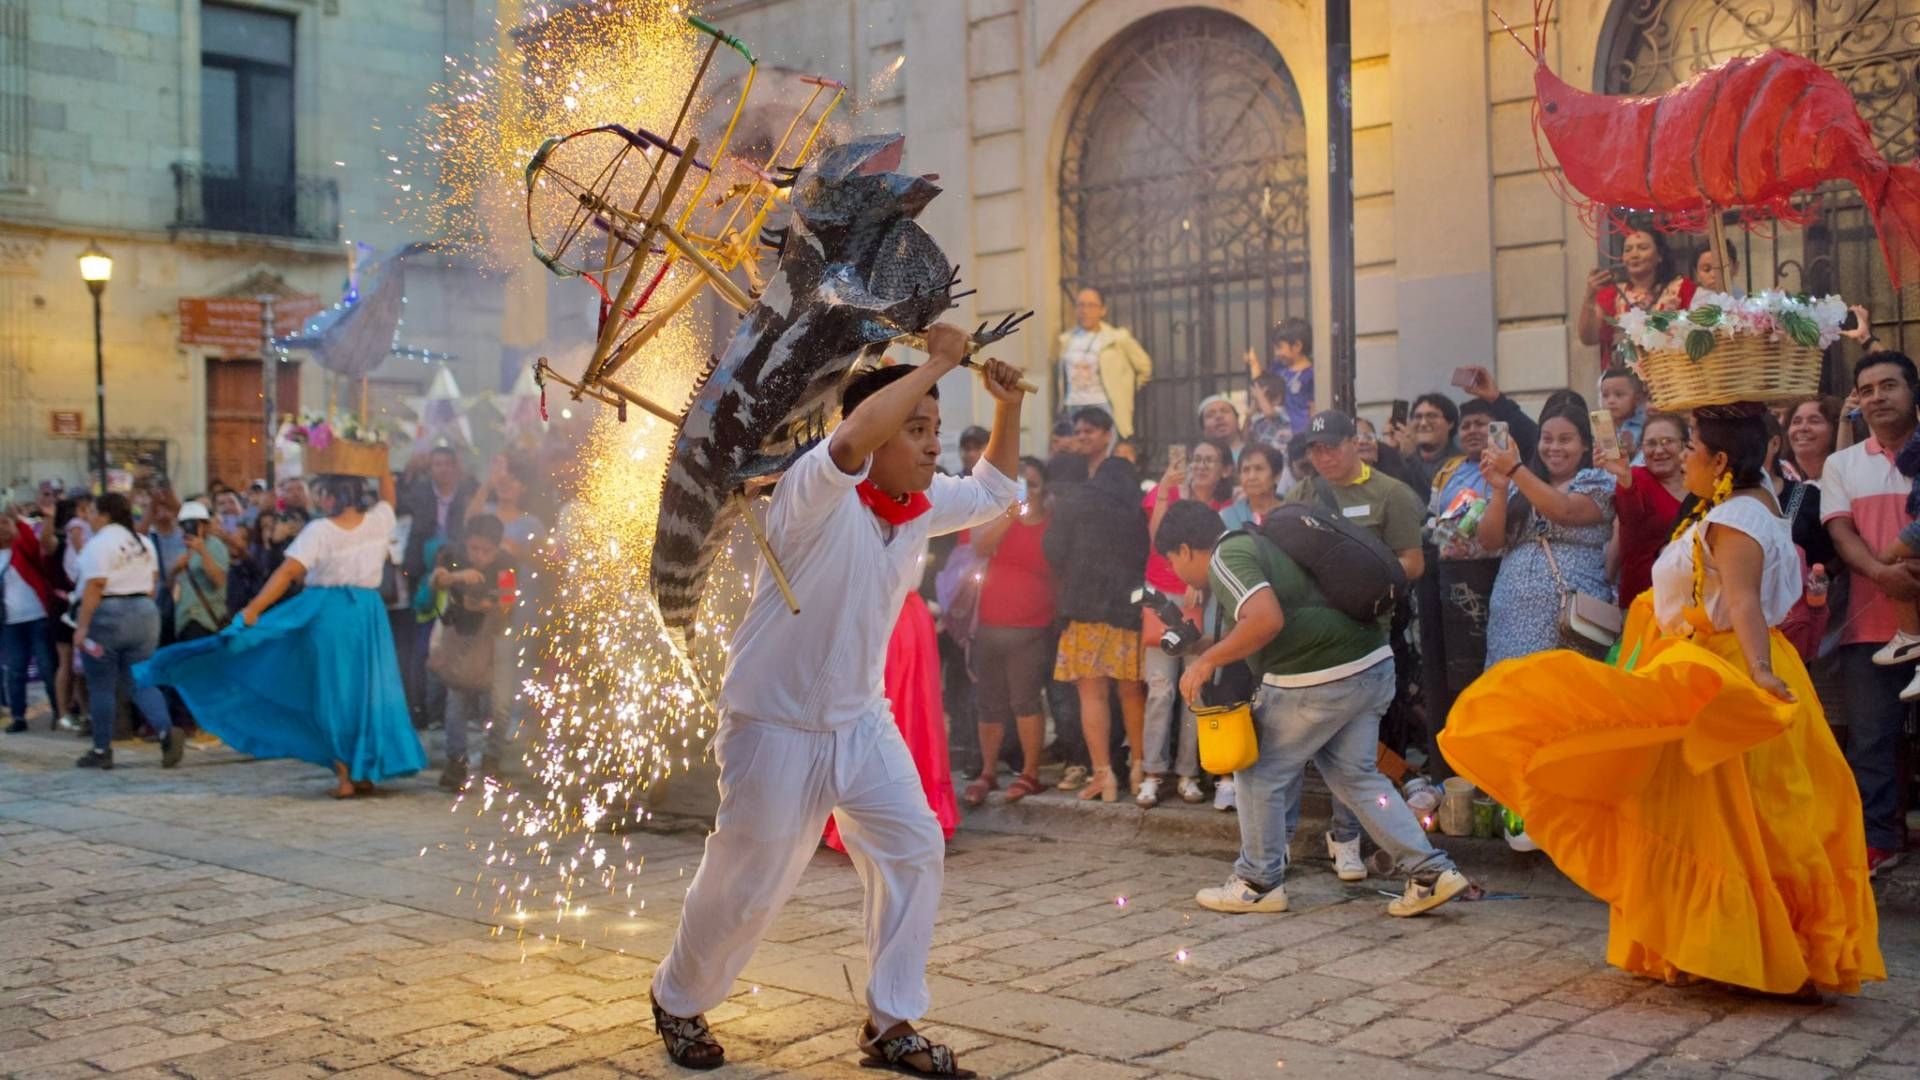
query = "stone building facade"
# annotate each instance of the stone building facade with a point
(1173, 154)
(1464, 253)
(212, 150)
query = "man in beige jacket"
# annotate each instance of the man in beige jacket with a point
(1098, 364)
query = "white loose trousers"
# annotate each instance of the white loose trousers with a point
(777, 786)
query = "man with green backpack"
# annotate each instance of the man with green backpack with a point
(1327, 676)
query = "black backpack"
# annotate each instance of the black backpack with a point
(1360, 577)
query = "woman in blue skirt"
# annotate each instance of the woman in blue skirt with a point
(314, 678)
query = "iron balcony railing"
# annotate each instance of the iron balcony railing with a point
(302, 207)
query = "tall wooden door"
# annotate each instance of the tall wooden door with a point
(236, 418)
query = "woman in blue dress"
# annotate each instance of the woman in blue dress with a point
(315, 677)
(1558, 501)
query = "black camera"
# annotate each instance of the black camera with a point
(191, 528)
(1180, 633)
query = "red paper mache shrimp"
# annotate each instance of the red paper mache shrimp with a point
(1748, 134)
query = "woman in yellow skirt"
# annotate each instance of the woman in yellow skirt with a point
(1695, 786)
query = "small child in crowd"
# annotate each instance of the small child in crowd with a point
(1624, 397)
(480, 583)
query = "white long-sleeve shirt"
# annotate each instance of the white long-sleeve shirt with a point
(825, 668)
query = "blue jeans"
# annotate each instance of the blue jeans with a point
(1336, 726)
(476, 707)
(1876, 743)
(26, 641)
(1165, 707)
(127, 628)
(1344, 825)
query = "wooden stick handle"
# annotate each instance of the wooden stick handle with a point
(1717, 236)
(1022, 384)
(919, 341)
(773, 564)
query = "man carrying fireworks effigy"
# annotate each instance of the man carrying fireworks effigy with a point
(806, 729)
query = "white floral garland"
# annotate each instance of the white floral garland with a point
(1771, 314)
(319, 430)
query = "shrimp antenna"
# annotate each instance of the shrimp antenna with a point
(1504, 25)
(1542, 15)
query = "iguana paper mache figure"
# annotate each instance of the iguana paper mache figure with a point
(855, 274)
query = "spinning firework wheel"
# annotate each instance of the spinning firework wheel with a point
(587, 199)
(622, 207)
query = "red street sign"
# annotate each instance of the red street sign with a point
(67, 422)
(233, 325)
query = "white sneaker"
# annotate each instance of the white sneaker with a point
(1074, 778)
(1223, 794)
(1903, 649)
(1423, 898)
(1190, 790)
(1239, 898)
(1912, 692)
(1149, 796)
(1346, 859)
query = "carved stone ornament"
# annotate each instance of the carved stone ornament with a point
(20, 254)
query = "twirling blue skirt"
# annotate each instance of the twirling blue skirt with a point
(315, 679)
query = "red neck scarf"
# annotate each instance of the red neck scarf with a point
(889, 509)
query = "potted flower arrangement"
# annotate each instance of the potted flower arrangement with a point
(1762, 347)
(341, 444)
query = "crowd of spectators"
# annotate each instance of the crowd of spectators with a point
(1085, 587)
(1071, 616)
(94, 585)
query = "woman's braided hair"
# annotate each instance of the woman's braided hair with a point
(1738, 430)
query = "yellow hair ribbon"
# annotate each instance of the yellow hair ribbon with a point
(1696, 613)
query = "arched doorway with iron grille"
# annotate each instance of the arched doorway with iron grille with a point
(1873, 46)
(1183, 199)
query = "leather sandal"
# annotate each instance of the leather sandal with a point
(688, 1039)
(1023, 786)
(892, 1054)
(976, 792)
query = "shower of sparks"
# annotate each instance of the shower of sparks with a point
(880, 86)
(614, 706)
(618, 706)
(555, 71)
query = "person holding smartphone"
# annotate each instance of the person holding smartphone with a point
(1645, 281)
(1646, 500)
(1550, 522)
(1454, 598)
(200, 576)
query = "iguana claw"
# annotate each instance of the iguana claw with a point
(983, 337)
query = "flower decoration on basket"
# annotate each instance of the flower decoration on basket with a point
(1763, 347)
(319, 430)
(341, 443)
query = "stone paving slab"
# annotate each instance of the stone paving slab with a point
(228, 920)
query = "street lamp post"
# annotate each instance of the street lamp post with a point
(96, 269)
(1340, 257)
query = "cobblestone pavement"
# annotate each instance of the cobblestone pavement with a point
(226, 919)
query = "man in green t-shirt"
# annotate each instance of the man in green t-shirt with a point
(1326, 680)
(1360, 493)
(1347, 486)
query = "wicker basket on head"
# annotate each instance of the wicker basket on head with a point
(1740, 368)
(345, 457)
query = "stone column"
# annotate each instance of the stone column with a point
(1443, 242)
(938, 141)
